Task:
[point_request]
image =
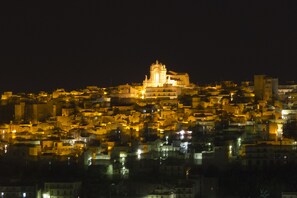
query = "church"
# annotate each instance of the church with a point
(163, 84)
(159, 77)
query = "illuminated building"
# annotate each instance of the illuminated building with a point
(21, 190)
(163, 84)
(19, 111)
(62, 189)
(166, 91)
(276, 129)
(125, 91)
(159, 77)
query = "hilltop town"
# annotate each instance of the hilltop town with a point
(164, 137)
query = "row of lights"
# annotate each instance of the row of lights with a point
(24, 194)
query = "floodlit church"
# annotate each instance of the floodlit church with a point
(163, 84)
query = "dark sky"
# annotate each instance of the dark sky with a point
(71, 44)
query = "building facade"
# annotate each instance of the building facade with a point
(265, 88)
(163, 84)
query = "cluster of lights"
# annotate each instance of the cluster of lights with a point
(90, 161)
(182, 133)
(46, 195)
(139, 152)
(230, 150)
(122, 160)
(24, 195)
(184, 147)
(166, 139)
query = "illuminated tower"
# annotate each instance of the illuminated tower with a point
(157, 76)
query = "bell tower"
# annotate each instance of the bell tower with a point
(157, 75)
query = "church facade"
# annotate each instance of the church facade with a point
(159, 77)
(163, 84)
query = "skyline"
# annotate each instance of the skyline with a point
(106, 43)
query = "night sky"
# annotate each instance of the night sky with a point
(71, 44)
